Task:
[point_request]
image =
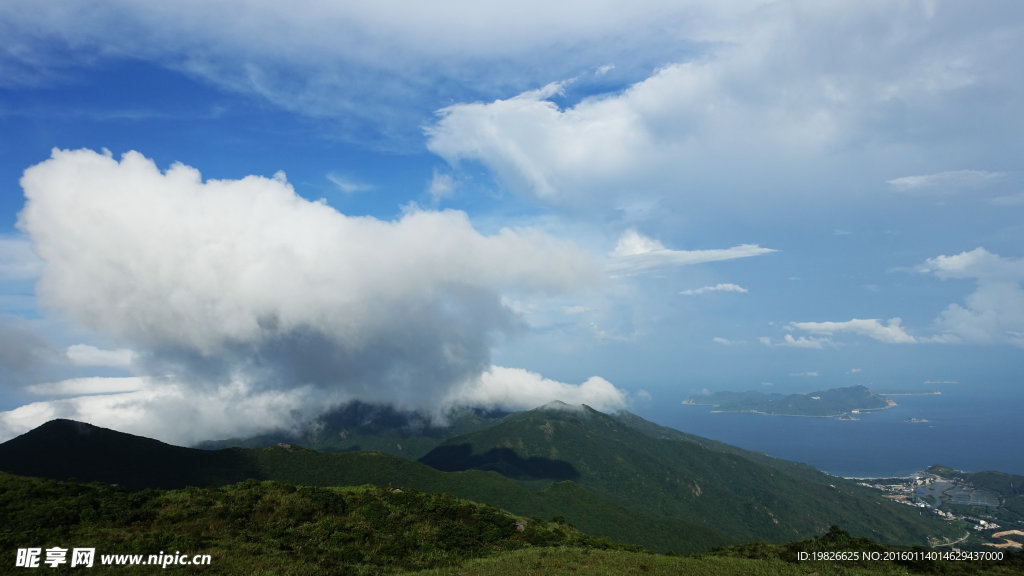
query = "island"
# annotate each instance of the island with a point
(837, 402)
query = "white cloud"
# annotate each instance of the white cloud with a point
(994, 312)
(945, 182)
(379, 65)
(788, 341)
(441, 186)
(978, 264)
(890, 332)
(642, 396)
(89, 385)
(805, 374)
(722, 341)
(517, 389)
(86, 355)
(635, 253)
(243, 280)
(780, 85)
(347, 184)
(632, 243)
(173, 412)
(715, 288)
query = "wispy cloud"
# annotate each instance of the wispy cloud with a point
(635, 252)
(890, 332)
(347, 184)
(1008, 200)
(441, 186)
(802, 342)
(90, 385)
(715, 288)
(87, 355)
(944, 182)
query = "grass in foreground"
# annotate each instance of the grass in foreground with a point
(277, 529)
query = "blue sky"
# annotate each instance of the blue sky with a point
(212, 209)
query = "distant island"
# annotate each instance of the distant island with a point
(837, 402)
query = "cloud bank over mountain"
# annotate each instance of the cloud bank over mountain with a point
(241, 291)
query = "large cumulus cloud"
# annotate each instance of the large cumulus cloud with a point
(244, 283)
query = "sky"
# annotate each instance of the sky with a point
(220, 218)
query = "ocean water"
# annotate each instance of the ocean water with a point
(971, 432)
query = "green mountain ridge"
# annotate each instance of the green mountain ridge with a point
(359, 426)
(661, 472)
(88, 453)
(619, 477)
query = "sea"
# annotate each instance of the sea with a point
(965, 430)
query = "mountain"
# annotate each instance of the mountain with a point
(267, 527)
(665, 473)
(66, 449)
(614, 476)
(75, 450)
(361, 426)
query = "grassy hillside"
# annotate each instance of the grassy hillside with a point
(90, 453)
(268, 527)
(279, 529)
(621, 478)
(724, 491)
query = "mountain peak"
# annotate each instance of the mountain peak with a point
(63, 449)
(559, 405)
(66, 426)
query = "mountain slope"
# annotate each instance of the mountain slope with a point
(620, 477)
(643, 468)
(63, 449)
(267, 527)
(278, 528)
(359, 426)
(90, 453)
